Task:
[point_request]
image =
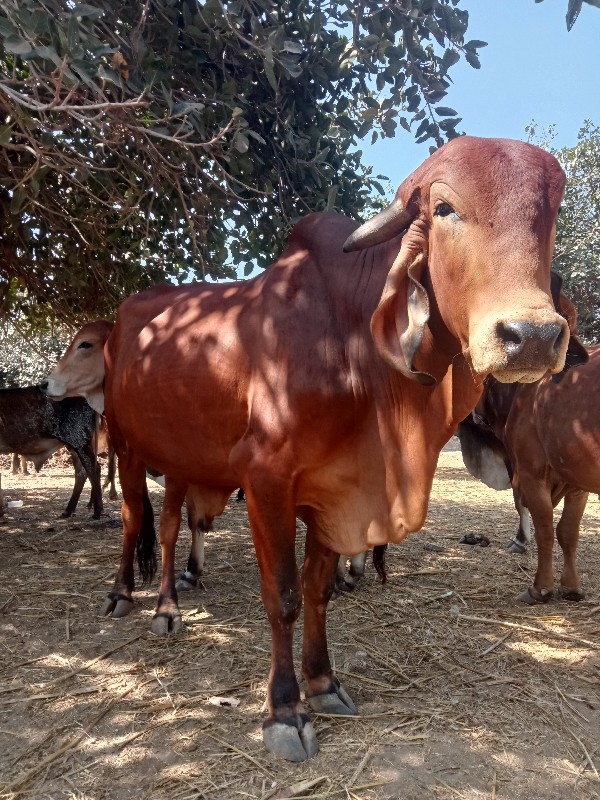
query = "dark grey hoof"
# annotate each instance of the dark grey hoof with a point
(293, 742)
(116, 605)
(166, 622)
(533, 597)
(515, 546)
(186, 581)
(337, 702)
(574, 595)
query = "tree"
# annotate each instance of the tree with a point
(25, 358)
(573, 9)
(577, 252)
(170, 139)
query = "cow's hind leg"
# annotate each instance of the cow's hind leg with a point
(523, 538)
(271, 509)
(80, 479)
(138, 536)
(567, 534)
(88, 459)
(198, 525)
(324, 693)
(167, 618)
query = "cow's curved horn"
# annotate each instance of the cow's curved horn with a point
(383, 226)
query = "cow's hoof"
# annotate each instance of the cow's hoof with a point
(533, 597)
(575, 595)
(186, 581)
(516, 547)
(116, 605)
(165, 622)
(294, 742)
(336, 702)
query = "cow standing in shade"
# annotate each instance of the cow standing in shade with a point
(542, 439)
(328, 385)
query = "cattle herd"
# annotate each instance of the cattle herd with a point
(327, 387)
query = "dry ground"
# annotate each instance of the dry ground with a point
(462, 692)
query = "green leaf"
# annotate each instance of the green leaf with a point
(573, 12)
(475, 44)
(270, 72)
(293, 47)
(473, 60)
(445, 111)
(17, 45)
(85, 10)
(241, 142)
(5, 134)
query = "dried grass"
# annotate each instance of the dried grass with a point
(462, 692)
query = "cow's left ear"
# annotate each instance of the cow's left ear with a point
(576, 352)
(398, 322)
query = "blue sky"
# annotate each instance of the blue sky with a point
(532, 69)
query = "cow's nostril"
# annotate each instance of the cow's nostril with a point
(513, 335)
(559, 339)
(44, 385)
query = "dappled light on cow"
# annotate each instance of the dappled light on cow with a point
(327, 387)
(545, 437)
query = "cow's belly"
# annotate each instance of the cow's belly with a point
(181, 446)
(34, 449)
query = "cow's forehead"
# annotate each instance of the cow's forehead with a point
(488, 167)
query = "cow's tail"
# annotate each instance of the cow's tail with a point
(146, 543)
(379, 561)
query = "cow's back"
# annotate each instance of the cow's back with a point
(274, 357)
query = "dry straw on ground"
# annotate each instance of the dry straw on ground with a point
(462, 692)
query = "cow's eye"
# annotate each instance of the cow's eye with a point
(85, 346)
(443, 210)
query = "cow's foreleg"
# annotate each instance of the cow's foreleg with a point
(539, 502)
(567, 533)
(324, 692)
(168, 617)
(138, 534)
(288, 731)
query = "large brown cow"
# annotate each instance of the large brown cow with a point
(544, 440)
(328, 385)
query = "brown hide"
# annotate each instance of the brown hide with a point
(553, 440)
(327, 386)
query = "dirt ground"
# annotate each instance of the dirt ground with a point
(462, 692)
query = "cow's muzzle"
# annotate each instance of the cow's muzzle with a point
(527, 344)
(522, 350)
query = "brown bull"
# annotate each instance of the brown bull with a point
(328, 385)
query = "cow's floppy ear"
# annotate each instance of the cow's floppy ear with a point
(398, 322)
(576, 352)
